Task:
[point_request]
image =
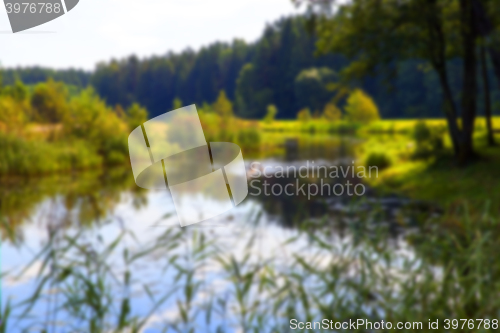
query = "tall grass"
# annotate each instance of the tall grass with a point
(19, 156)
(324, 269)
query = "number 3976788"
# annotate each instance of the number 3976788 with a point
(33, 8)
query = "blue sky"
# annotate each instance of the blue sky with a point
(98, 30)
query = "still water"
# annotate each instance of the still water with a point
(92, 252)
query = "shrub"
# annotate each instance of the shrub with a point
(223, 106)
(50, 101)
(13, 114)
(304, 115)
(91, 120)
(332, 112)
(361, 108)
(28, 157)
(249, 138)
(428, 140)
(136, 115)
(272, 111)
(90, 134)
(378, 159)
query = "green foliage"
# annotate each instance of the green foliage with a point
(177, 103)
(400, 80)
(91, 119)
(331, 112)
(19, 156)
(311, 87)
(210, 122)
(83, 132)
(251, 101)
(36, 74)
(262, 73)
(13, 114)
(193, 77)
(428, 140)
(379, 159)
(249, 138)
(205, 108)
(223, 106)
(304, 115)
(136, 115)
(218, 128)
(49, 101)
(272, 111)
(361, 108)
(18, 91)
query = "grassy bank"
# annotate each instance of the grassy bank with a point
(48, 129)
(421, 168)
(423, 172)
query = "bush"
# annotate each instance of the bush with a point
(50, 101)
(272, 111)
(13, 114)
(361, 108)
(249, 138)
(428, 140)
(304, 115)
(331, 112)
(91, 120)
(26, 157)
(136, 115)
(378, 159)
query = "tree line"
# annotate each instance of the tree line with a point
(293, 66)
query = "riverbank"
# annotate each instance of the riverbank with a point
(390, 144)
(437, 177)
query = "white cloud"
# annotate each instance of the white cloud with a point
(97, 30)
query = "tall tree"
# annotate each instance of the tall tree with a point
(379, 34)
(485, 28)
(469, 91)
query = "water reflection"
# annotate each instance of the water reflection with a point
(98, 254)
(82, 198)
(87, 197)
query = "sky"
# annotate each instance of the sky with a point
(98, 30)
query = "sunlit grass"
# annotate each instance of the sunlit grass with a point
(437, 178)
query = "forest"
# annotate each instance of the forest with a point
(283, 68)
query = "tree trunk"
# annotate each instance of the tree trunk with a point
(437, 47)
(495, 59)
(469, 89)
(487, 97)
(450, 109)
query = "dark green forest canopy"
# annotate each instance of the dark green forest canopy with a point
(33, 75)
(280, 68)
